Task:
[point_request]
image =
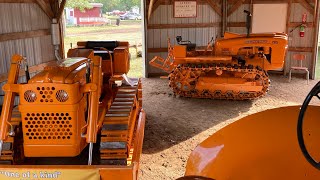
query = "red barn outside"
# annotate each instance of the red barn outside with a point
(91, 16)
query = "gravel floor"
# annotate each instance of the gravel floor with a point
(175, 126)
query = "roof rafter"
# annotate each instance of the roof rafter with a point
(45, 6)
(214, 6)
(235, 7)
(307, 6)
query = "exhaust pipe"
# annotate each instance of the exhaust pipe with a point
(248, 22)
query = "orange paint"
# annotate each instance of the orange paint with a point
(260, 146)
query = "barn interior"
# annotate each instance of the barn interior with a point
(166, 125)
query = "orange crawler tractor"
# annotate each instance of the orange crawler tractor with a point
(78, 111)
(281, 143)
(235, 67)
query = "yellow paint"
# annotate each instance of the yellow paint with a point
(54, 174)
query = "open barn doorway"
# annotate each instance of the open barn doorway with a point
(106, 20)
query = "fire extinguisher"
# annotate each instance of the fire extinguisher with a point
(303, 25)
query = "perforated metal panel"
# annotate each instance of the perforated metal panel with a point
(46, 93)
(48, 126)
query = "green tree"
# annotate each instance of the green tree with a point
(128, 4)
(79, 4)
(123, 5)
(108, 5)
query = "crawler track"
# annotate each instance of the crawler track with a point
(184, 78)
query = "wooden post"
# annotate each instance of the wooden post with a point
(315, 39)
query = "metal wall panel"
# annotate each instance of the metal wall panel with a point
(22, 17)
(302, 42)
(157, 38)
(238, 15)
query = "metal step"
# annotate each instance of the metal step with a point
(120, 107)
(121, 103)
(119, 110)
(125, 95)
(133, 91)
(113, 145)
(114, 127)
(123, 99)
(117, 115)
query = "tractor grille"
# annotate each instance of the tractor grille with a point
(50, 94)
(48, 126)
(46, 93)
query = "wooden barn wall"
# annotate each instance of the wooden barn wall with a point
(24, 17)
(157, 38)
(299, 44)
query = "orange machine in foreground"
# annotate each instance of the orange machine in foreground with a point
(235, 67)
(72, 113)
(281, 143)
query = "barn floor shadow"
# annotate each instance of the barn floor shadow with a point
(171, 120)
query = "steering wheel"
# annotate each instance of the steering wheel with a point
(314, 92)
(194, 178)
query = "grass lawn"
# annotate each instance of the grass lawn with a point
(130, 31)
(124, 24)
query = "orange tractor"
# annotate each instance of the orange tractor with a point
(235, 67)
(281, 143)
(79, 111)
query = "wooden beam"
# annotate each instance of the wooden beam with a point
(300, 49)
(232, 1)
(236, 24)
(170, 2)
(307, 6)
(61, 8)
(24, 35)
(157, 50)
(45, 6)
(54, 6)
(32, 69)
(215, 7)
(150, 9)
(191, 25)
(288, 15)
(156, 5)
(195, 25)
(235, 7)
(295, 24)
(274, 1)
(17, 1)
(315, 40)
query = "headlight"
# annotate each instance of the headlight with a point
(62, 96)
(30, 96)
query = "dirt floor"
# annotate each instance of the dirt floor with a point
(175, 126)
